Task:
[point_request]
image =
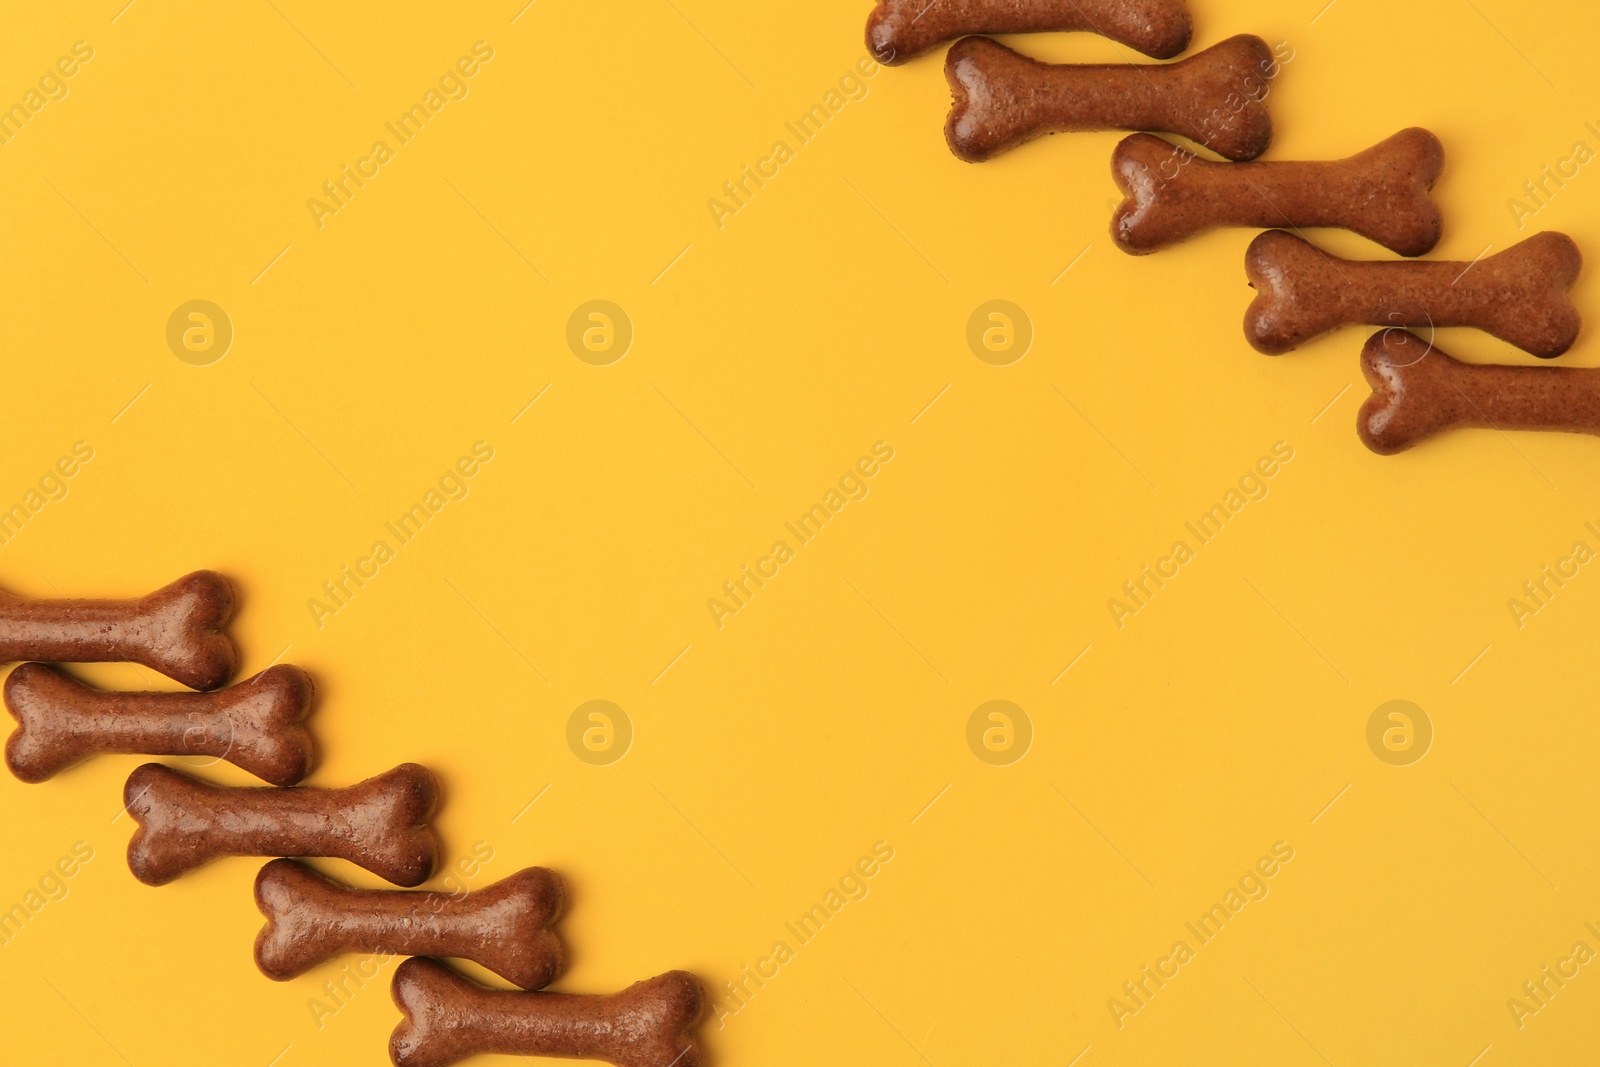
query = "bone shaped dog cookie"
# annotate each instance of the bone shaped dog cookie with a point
(448, 1018)
(1003, 99)
(506, 926)
(1419, 391)
(258, 725)
(1518, 295)
(1381, 193)
(177, 630)
(900, 30)
(381, 824)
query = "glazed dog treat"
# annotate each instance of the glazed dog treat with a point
(1004, 99)
(177, 630)
(1418, 391)
(900, 30)
(448, 1018)
(1518, 295)
(1382, 193)
(380, 824)
(258, 725)
(506, 926)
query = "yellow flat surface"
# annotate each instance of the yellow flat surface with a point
(772, 349)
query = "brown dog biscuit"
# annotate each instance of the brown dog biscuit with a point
(506, 926)
(900, 30)
(1382, 193)
(177, 630)
(381, 824)
(1003, 99)
(448, 1018)
(1518, 295)
(1418, 391)
(258, 725)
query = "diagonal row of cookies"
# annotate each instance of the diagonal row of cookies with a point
(1217, 98)
(383, 824)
